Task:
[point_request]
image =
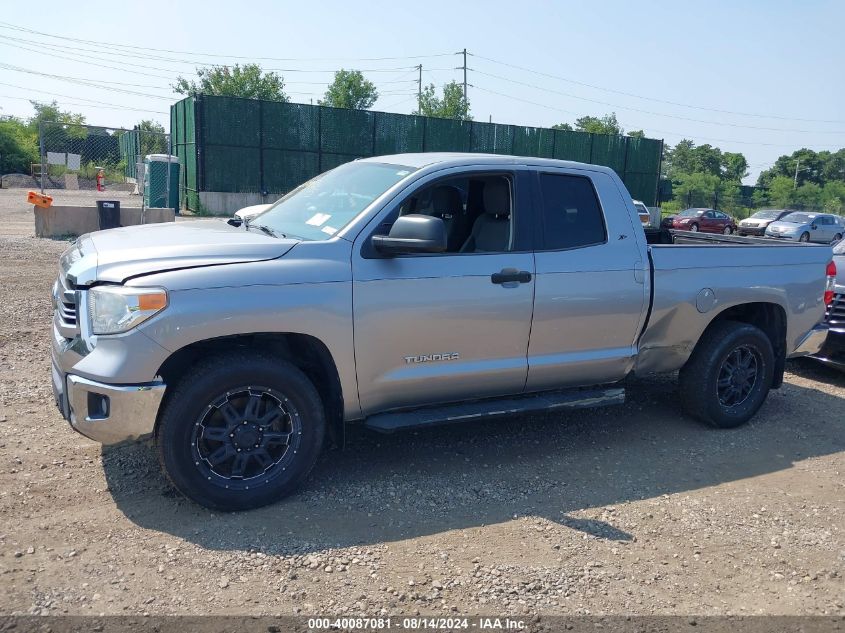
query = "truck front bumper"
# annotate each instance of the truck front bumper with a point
(109, 414)
(812, 341)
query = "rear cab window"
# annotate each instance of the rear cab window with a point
(570, 212)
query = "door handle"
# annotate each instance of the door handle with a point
(511, 276)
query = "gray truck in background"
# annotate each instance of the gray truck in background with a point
(407, 290)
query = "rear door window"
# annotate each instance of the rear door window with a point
(571, 215)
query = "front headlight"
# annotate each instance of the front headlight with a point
(116, 309)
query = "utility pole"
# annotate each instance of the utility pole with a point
(465, 75)
(795, 180)
(419, 90)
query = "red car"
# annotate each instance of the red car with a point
(704, 220)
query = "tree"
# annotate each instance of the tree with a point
(350, 90)
(782, 192)
(734, 166)
(595, 125)
(451, 106)
(151, 137)
(833, 197)
(18, 146)
(49, 112)
(247, 81)
(636, 134)
(562, 126)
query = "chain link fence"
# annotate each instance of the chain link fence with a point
(96, 161)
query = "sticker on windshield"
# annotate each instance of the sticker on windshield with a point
(330, 230)
(318, 219)
(404, 172)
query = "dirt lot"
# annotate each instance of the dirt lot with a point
(632, 509)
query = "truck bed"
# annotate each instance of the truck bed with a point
(693, 279)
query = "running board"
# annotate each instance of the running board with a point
(464, 411)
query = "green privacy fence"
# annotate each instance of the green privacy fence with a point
(228, 144)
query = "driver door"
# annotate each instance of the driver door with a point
(445, 327)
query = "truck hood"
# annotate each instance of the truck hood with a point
(116, 255)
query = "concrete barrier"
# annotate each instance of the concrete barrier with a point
(63, 220)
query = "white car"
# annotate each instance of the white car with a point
(247, 213)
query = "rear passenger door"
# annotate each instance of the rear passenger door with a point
(590, 293)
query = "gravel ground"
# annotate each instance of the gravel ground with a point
(629, 510)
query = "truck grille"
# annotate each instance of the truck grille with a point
(835, 313)
(66, 310)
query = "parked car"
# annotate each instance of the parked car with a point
(248, 213)
(642, 212)
(474, 285)
(704, 220)
(802, 226)
(833, 351)
(757, 223)
(667, 222)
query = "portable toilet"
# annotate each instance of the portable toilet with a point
(158, 170)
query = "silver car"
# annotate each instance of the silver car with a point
(802, 226)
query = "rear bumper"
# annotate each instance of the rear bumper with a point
(832, 351)
(109, 414)
(812, 342)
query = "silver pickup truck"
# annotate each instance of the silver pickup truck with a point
(407, 290)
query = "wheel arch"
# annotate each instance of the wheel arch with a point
(306, 352)
(768, 317)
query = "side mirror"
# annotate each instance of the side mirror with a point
(413, 233)
(814, 227)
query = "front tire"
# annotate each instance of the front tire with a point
(836, 238)
(805, 237)
(729, 374)
(241, 431)
(693, 228)
(727, 231)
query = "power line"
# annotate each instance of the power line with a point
(671, 133)
(9, 25)
(112, 53)
(660, 114)
(86, 105)
(52, 94)
(667, 102)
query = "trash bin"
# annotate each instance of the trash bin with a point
(108, 214)
(161, 181)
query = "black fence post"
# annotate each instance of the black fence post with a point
(659, 169)
(319, 139)
(625, 162)
(261, 184)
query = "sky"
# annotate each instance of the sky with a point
(761, 77)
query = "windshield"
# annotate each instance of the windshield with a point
(766, 214)
(798, 218)
(319, 208)
(689, 213)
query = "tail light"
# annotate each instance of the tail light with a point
(830, 281)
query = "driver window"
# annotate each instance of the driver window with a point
(476, 212)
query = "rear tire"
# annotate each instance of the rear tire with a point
(805, 237)
(241, 431)
(728, 376)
